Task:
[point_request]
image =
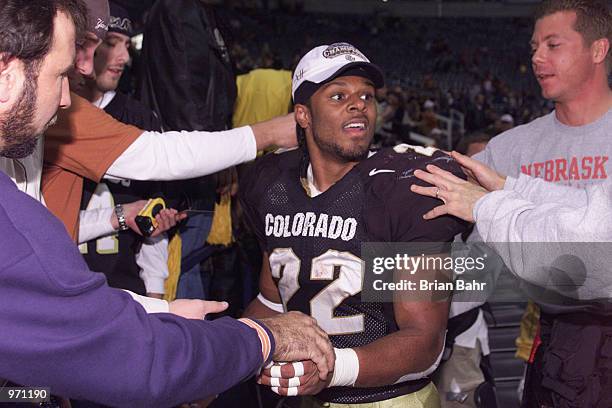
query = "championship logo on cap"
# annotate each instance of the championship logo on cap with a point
(327, 62)
(339, 49)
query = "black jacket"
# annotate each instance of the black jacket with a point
(188, 77)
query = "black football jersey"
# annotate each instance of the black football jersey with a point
(314, 243)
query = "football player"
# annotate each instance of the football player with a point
(313, 207)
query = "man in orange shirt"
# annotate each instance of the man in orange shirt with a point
(88, 143)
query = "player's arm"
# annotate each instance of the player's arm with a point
(268, 303)
(421, 315)
(414, 350)
(410, 353)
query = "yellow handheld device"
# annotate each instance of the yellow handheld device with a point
(146, 217)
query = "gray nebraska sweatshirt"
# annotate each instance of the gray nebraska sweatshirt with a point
(553, 236)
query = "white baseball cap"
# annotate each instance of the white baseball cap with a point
(327, 62)
(507, 118)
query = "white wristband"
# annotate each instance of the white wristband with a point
(346, 369)
(277, 307)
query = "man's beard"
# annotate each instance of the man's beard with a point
(352, 154)
(17, 129)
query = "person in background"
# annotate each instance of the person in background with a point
(193, 87)
(129, 261)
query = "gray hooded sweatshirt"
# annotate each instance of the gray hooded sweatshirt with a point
(555, 236)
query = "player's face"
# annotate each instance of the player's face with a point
(110, 59)
(343, 117)
(36, 105)
(561, 61)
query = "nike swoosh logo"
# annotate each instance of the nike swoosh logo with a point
(374, 172)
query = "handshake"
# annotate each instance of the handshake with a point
(298, 340)
(303, 360)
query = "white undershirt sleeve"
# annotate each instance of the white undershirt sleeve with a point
(183, 155)
(95, 223)
(151, 305)
(153, 262)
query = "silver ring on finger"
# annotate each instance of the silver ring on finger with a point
(437, 192)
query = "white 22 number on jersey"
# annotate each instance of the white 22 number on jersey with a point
(285, 266)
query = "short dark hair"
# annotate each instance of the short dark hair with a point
(26, 27)
(593, 19)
